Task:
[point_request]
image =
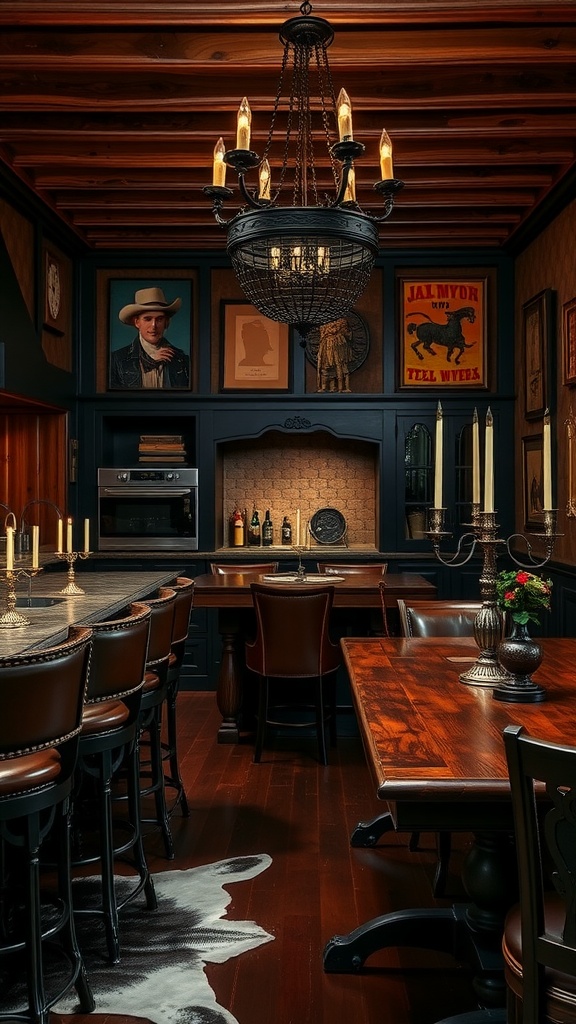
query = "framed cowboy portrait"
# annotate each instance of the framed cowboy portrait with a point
(443, 324)
(145, 330)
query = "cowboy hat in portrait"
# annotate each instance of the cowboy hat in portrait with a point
(151, 359)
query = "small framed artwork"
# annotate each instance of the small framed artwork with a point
(532, 465)
(144, 330)
(443, 321)
(537, 345)
(255, 354)
(569, 342)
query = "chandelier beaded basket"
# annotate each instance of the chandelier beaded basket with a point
(304, 264)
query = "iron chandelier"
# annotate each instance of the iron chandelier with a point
(304, 264)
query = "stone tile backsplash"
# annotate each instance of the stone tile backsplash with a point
(283, 473)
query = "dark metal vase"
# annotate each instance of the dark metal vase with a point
(519, 655)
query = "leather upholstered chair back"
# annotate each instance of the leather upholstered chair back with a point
(184, 588)
(230, 568)
(293, 648)
(119, 648)
(438, 618)
(292, 639)
(42, 696)
(539, 943)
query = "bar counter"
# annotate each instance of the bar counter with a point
(105, 594)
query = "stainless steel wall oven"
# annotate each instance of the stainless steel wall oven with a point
(148, 509)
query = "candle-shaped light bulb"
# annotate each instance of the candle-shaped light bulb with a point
(35, 546)
(59, 537)
(439, 454)
(489, 463)
(547, 463)
(386, 165)
(9, 547)
(69, 535)
(344, 115)
(274, 261)
(86, 536)
(264, 180)
(475, 459)
(350, 193)
(218, 166)
(243, 125)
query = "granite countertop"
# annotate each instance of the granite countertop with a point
(105, 594)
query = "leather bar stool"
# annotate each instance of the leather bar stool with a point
(154, 697)
(184, 588)
(108, 743)
(41, 701)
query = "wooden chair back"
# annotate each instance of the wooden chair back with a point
(540, 933)
(229, 568)
(373, 570)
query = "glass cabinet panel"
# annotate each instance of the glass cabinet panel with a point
(418, 480)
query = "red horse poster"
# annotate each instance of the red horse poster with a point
(443, 324)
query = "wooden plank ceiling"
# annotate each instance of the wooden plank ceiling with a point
(110, 110)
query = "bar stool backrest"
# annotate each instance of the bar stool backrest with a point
(161, 623)
(42, 695)
(119, 649)
(184, 588)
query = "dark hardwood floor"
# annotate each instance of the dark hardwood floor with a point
(302, 814)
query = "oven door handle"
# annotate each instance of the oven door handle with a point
(148, 492)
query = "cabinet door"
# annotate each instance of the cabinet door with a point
(416, 475)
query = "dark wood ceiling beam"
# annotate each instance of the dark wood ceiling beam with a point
(138, 13)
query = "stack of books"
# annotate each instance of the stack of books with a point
(164, 448)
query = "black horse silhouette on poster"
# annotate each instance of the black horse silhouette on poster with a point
(449, 334)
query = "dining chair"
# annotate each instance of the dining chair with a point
(183, 604)
(109, 750)
(437, 619)
(293, 652)
(355, 622)
(539, 943)
(41, 703)
(229, 568)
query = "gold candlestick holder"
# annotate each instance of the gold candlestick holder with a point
(10, 617)
(483, 534)
(72, 589)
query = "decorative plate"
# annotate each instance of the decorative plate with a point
(328, 526)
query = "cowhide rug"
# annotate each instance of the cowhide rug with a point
(161, 973)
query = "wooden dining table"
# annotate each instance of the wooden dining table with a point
(231, 595)
(436, 754)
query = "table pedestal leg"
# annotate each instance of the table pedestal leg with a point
(470, 932)
(229, 692)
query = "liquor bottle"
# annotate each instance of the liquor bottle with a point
(267, 530)
(286, 531)
(254, 530)
(238, 529)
